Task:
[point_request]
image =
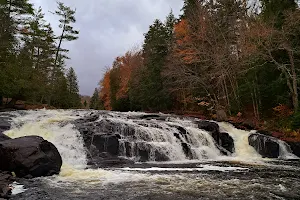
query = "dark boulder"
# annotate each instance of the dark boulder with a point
(226, 142)
(4, 124)
(106, 143)
(266, 146)
(295, 147)
(223, 140)
(6, 179)
(211, 127)
(3, 137)
(187, 150)
(29, 156)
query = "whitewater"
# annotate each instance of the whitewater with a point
(205, 174)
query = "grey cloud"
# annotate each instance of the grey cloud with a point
(107, 29)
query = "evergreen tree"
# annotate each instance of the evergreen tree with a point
(73, 88)
(12, 17)
(152, 94)
(273, 11)
(94, 103)
(68, 33)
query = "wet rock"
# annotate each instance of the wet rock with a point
(295, 147)
(226, 142)
(187, 150)
(3, 137)
(30, 156)
(265, 145)
(106, 143)
(211, 127)
(6, 178)
(4, 124)
(153, 116)
(146, 152)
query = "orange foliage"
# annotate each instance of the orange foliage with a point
(126, 65)
(105, 90)
(184, 49)
(283, 111)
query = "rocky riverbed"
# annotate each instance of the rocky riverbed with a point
(111, 155)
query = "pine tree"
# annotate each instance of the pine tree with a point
(12, 15)
(155, 50)
(73, 88)
(94, 104)
(68, 33)
(273, 11)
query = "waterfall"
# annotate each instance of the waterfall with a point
(242, 148)
(54, 126)
(285, 151)
(136, 136)
(170, 139)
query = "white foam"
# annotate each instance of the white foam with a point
(243, 151)
(17, 188)
(53, 126)
(199, 168)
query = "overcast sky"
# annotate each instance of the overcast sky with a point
(108, 28)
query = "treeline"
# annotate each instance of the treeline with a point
(32, 60)
(220, 57)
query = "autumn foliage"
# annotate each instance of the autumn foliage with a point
(219, 59)
(122, 69)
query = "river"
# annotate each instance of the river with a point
(205, 174)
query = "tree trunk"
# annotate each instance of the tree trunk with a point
(59, 44)
(1, 100)
(294, 82)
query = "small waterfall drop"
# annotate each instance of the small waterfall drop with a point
(285, 151)
(170, 139)
(54, 126)
(242, 148)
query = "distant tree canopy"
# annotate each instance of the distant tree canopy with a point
(218, 56)
(32, 62)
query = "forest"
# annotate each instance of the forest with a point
(32, 58)
(219, 59)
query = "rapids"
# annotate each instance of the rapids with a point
(205, 173)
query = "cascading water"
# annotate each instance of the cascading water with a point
(243, 150)
(156, 139)
(54, 127)
(161, 138)
(189, 151)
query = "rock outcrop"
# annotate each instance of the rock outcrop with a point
(265, 145)
(3, 137)
(6, 179)
(29, 156)
(295, 147)
(222, 139)
(4, 124)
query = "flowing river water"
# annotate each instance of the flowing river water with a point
(207, 174)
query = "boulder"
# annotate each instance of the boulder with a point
(6, 179)
(265, 145)
(226, 142)
(4, 124)
(211, 127)
(295, 147)
(3, 137)
(29, 156)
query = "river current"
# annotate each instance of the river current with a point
(206, 175)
